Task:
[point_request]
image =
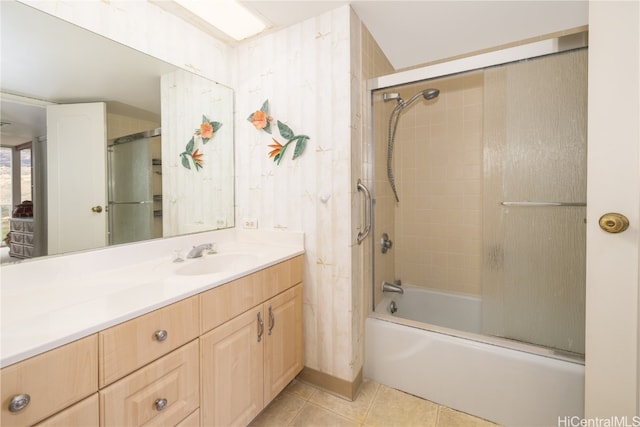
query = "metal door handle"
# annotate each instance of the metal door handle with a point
(614, 222)
(367, 212)
(260, 327)
(96, 209)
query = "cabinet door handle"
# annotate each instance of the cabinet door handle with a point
(272, 320)
(161, 335)
(19, 402)
(260, 327)
(160, 404)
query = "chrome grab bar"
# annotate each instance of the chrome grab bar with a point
(525, 203)
(367, 212)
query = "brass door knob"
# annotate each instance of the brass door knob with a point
(614, 222)
(96, 209)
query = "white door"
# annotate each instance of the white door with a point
(612, 377)
(76, 177)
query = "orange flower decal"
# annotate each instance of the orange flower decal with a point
(197, 158)
(260, 119)
(201, 135)
(206, 130)
(277, 150)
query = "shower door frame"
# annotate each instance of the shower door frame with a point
(472, 63)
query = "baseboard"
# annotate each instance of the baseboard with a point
(334, 385)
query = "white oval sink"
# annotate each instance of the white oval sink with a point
(217, 263)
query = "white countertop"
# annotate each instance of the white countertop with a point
(56, 300)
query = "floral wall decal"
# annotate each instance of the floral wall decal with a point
(261, 120)
(203, 134)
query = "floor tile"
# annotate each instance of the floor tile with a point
(356, 410)
(315, 416)
(280, 412)
(300, 389)
(448, 417)
(395, 408)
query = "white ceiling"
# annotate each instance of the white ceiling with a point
(409, 32)
(416, 32)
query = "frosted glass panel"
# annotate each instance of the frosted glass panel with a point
(132, 186)
(535, 151)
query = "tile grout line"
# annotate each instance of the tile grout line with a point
(370, 407)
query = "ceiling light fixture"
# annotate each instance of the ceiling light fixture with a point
(228, 16)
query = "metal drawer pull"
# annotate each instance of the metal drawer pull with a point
(161, 335)
(160, 404)
(260, 327)
(19, 402)
(272, 320)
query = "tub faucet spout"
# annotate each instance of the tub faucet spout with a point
(392, 287)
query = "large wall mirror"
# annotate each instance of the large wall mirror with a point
(108, 144)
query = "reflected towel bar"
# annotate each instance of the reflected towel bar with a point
(535, 204)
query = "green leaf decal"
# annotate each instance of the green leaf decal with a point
(216, 126)
(185, 161)
(285, 131)
(300, 146)
(281, 154)
(265, 107)
(190, 145)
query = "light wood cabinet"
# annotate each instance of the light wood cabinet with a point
(153, 370)
(84, 413)
(232, 371)
(53, 381)
(284, 346)
(162, 393)
(247, 360)
(130, 345)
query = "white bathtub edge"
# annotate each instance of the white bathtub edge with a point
(510, 387)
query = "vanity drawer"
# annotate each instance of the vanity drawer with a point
(163, 393)
(53, 380)
(83, 414)
(234, 298)
(130, 345)
(282, 276)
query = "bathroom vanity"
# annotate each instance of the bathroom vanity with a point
(207, 341)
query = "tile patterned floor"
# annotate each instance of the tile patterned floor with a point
(301, 405)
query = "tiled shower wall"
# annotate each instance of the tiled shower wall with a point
(437, 225)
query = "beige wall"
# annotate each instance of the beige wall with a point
(438, 171)
(437, 226)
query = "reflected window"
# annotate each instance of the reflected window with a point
(6, 197)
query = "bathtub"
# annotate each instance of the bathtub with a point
(510, 383)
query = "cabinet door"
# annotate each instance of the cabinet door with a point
(284, 352)
(232, 371)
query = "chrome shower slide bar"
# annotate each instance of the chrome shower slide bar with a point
(536, 204)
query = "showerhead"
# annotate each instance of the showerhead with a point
(430, 93)
(427, 94)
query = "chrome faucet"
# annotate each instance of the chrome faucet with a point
(393, 287)
(196, 251)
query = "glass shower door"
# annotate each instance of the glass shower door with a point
(131, 189)
(534, 201)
